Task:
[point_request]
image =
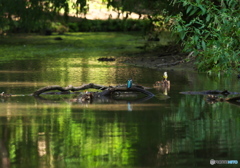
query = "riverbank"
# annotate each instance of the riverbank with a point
(160, 61)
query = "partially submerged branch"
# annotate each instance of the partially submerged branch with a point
(68, 88)
(213, 92)
(106, 90)
(110, 91)
(213, 96)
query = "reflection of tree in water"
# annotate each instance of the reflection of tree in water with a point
(73, 138)
(199, 130)
(4, 151)
(90, 138)
(4, 155)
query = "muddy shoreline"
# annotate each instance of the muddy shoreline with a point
(160, 61)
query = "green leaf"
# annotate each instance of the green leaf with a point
(196, 39)
(189, 9)
(197, 31)
(203, 9)
(208, 17)
(184, 3)
(203, 45)
(182, 35)
(216, 21)
(193, 11)
(230, 3)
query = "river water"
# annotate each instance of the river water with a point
(168, 130)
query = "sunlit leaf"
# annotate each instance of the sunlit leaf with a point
(188, 9)
(196, 39)
(203, 9)
(203, 45)
(208, 17)
(193, 11)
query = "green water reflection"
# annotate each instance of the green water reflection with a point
(179, 131)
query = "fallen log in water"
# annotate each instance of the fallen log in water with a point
(214, 96)
(106, 90)
(110, 91)
(213, 92)
(68, 88)
(214, 99)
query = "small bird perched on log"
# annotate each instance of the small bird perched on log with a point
(165, 76)
(129, 83)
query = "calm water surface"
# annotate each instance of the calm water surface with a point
(166, 131)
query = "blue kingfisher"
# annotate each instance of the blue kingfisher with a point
(129, 83)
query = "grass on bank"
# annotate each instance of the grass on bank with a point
(98, 44)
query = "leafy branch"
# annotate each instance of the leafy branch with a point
(212, 31)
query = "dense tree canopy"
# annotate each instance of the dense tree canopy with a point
(32, 14)
(151, 7)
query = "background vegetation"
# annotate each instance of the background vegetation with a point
(209, 28)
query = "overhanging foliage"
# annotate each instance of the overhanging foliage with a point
(210, 28)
